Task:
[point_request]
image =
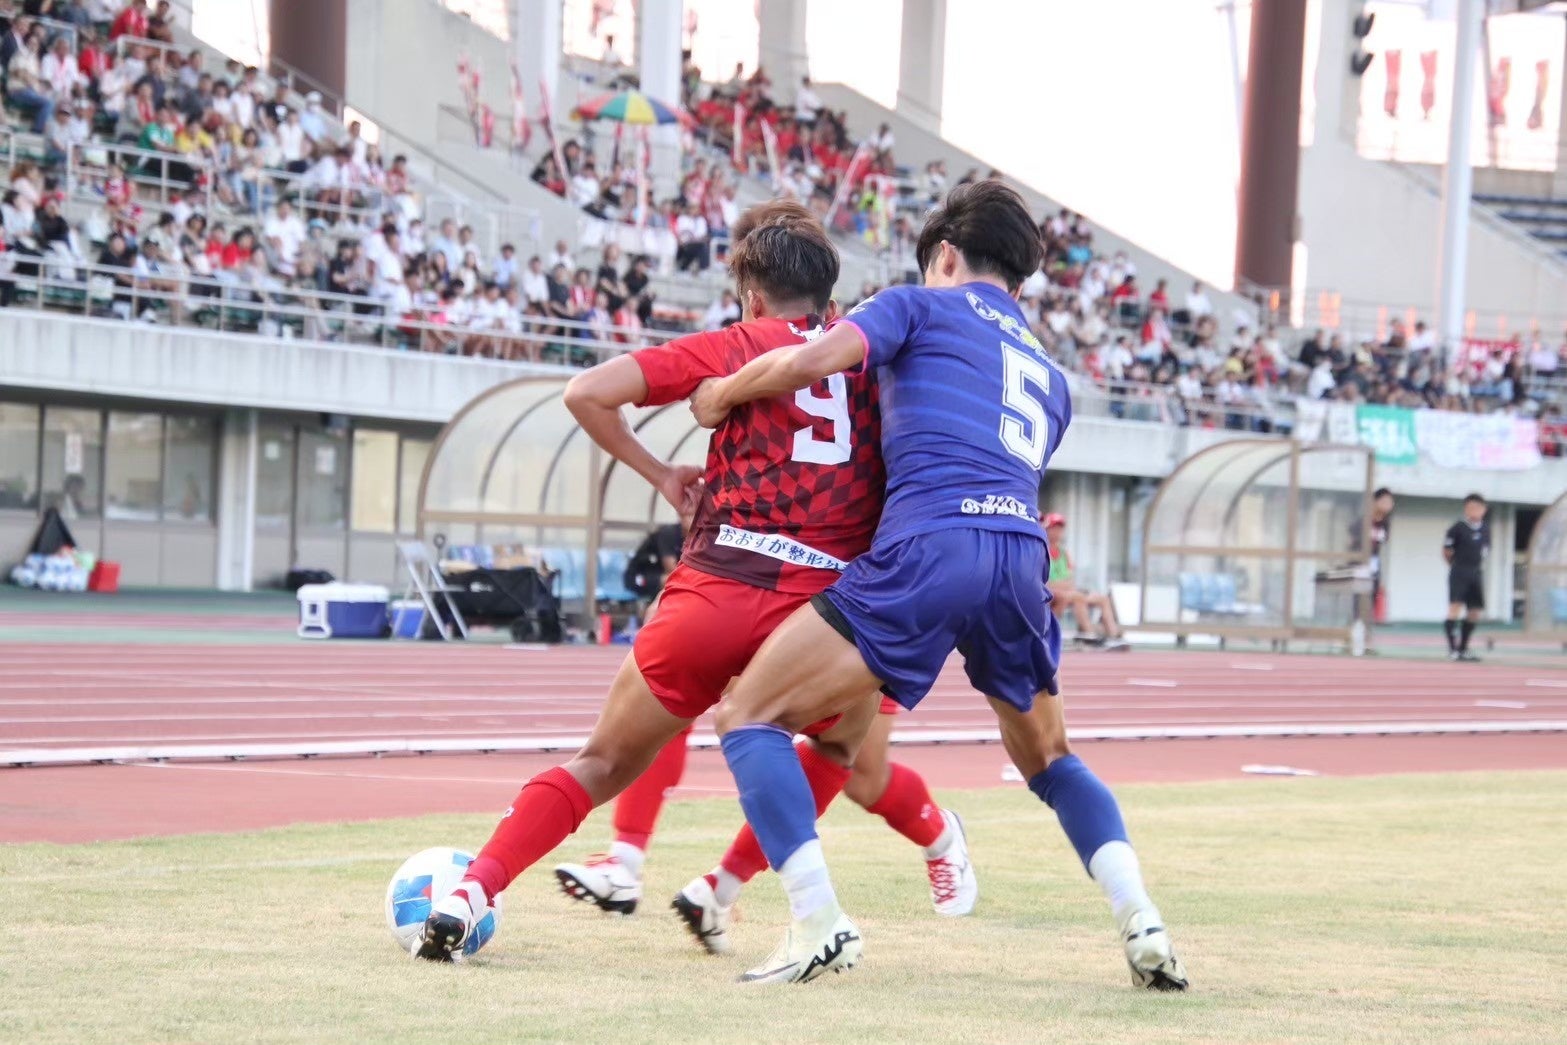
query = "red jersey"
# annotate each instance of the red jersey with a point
(795, 484)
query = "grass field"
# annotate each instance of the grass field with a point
(1416, 909)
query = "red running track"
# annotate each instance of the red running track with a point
(71, 696)
(98, 696)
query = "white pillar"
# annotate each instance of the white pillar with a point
(921, 62)
(658, 53)
(236, 500)
(535, 37)
(781, 45)
(1458, 178)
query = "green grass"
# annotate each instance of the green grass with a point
(1395, 909)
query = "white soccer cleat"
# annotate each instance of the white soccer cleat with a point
(698, 907)
(445, 931)
(825, 942)
(1150, 953)
(603, 881)
(953, 886)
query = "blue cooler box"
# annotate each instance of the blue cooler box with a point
(407, 618)
(342, 611)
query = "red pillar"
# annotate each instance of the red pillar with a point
(1270, 144)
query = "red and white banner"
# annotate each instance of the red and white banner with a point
(739, 127)
(770, 143)
(521, 126)
(857, 164)
(547, 118)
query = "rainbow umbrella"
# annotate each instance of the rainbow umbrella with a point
(632, 107)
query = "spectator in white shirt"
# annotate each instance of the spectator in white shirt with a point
(313, 121)
(388, 263)
(722, 312)
(585, 188)
(59, 69)
(535, 284)
(291, 143)
(1118, 360)
(1188, 386)
(611, 56)
(561, 256)
(1543, 359)
(806, 103)
(1422, 340)
(883, 140)
(691, 235)
(504, 271)
(283, 233)
(1321, 382)
(1197, 303)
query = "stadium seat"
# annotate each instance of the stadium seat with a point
(611, 579)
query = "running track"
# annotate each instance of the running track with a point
(194, 704)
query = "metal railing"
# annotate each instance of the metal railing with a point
(230, 303)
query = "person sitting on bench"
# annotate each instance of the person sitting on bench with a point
(1066, 596)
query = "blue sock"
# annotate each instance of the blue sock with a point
(773, 790)
(1087, 810)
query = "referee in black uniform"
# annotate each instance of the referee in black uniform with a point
(1465, 547)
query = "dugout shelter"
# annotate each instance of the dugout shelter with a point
(1261, 539)
(1545, 604)
(512, 475)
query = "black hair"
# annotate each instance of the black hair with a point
(991, 225)
(781, 250)
(1381, 491)
(1475, 498)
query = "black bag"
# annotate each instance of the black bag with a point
(298, 578)
(52, 534)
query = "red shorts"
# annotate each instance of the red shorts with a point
(705, 632)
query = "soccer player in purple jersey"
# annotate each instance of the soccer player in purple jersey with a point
(972, 408)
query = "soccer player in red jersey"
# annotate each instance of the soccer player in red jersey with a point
(792, 490)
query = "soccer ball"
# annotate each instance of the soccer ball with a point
(424, 878)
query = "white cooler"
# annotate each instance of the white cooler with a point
(342, 611)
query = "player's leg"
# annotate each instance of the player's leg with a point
(1036, 742)
(630, 732)
(806, 671)
(1455, 611)
(1011, 655)
(1102, 602)
(612, 881)
(705, 904)
(1474, 606)
(899, 796)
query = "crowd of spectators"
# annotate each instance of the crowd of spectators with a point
(190, 185)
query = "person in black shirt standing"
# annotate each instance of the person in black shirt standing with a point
(1465, 547)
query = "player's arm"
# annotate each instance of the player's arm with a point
(1447, 548)
(779, 372)
(597, 398)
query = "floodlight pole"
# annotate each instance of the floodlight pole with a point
(1458, 178)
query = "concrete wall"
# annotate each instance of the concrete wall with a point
(917, 146)
(1372, 229)
(402, 61)
(114, 358)
(1415, 574)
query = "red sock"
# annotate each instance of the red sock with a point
(907, 807)
(637, 808)
(744, 859)
(548, 808)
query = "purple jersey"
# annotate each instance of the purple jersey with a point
(972, 408)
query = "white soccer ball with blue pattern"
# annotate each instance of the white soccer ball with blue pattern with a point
(424, 878)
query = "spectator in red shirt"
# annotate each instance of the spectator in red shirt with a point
(237, 254)
(1126, 291)
(580, 301)
(1160, 298)
(131, 21)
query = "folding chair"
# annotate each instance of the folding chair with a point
(424, 577)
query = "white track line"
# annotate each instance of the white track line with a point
(551, 743)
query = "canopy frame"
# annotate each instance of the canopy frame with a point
(1545, 584)
(1241, 463)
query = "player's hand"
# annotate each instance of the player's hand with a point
(707, 403)
(681, 486)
